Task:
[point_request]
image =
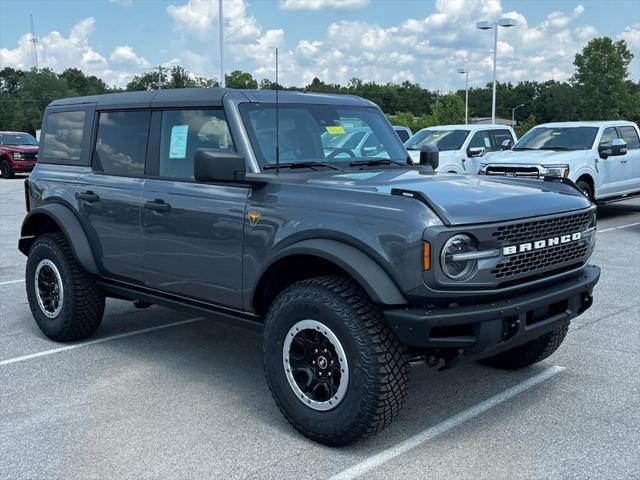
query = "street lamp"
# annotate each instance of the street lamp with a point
(484, 25)
(466, 94)
(513, 118)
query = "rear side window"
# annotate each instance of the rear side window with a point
(63, 137)
(185, 131)
(630, 135)
(121, 143)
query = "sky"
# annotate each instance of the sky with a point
(423, 41)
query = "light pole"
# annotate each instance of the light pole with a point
(466, 94)
(484, 25)
(513, 115)
(221, 20)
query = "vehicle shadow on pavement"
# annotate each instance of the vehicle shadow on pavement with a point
(617, 209)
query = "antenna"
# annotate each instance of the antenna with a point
(34, 43)
(277, 120)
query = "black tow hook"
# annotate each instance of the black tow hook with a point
(587, 301)
(141, 304)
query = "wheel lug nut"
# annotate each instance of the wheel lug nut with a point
(316, 350)
(313, 362)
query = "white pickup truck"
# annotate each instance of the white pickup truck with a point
(461, 147)
(602, 158)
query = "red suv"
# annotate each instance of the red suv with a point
(18, 153)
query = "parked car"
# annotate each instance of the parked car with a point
(359, 141)
(351, 267)
(18, 153)
(602, 158)
(461, 146)
(404, 133)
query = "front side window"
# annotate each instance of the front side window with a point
(121, 144)
(630, 135)
(444, 139)
(560, 138)
(185, 131)
(18, 139)
(320, 133)
(63, 137)
(481, 139)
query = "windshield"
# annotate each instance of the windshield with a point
(17, 139)
(320, 133)
(564, 138)
(444, 139)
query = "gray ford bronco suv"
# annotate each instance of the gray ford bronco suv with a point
(269, 210)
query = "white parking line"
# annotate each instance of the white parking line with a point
(617, 228)
(96, 341)
(12, 281)
(426, 435)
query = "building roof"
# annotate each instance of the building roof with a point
(204, 97)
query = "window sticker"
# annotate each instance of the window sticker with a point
(487, 142)
(556, 133)
(335, 130)
(178, 145)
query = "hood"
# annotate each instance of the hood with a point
(21, 148)
(536, 157)
(460, 199)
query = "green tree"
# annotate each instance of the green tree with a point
(38, 88)
(147, 81)
(449, 110)
(525, 126)
(558, 102)
(601, 70)
(83, 85)
(239, 79)
(10, 79)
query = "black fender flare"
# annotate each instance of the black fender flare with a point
(68, 223)
(366, 271)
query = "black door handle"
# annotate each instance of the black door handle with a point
(88, 196)
(158, 206)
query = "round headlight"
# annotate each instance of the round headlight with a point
(454, 265)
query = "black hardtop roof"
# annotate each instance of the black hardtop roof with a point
(191, 97)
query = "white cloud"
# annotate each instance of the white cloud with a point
(320, 4)
(198, 16)
(631, 35)
(124, 55)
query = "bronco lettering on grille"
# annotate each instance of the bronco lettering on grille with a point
(539, 244)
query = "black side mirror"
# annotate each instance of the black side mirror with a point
(213, 165)
(429, 155)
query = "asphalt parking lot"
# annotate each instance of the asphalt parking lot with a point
(163, 394)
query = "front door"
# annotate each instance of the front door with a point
(615, 171)
(192, 232)
(109, 203)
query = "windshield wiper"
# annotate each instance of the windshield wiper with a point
(271, 166)
(375, 162)
(524, 148)
(555, 148)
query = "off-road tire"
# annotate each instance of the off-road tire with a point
(586, 189)
(5, 170)
(378, 364)
(533, 352)
(83, 301)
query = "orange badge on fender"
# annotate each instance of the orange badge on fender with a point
(253, 217)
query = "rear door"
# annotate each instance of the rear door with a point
(192, 231)
(630, 135)
(109, 201)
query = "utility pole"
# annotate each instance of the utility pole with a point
(34, 43)
(160, 68)
(221, 21)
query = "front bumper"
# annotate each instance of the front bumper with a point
(23, 167)
(485, 329)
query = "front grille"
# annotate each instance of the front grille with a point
(29, 156)
(541, 229)
(537, 260)
(519, 171)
